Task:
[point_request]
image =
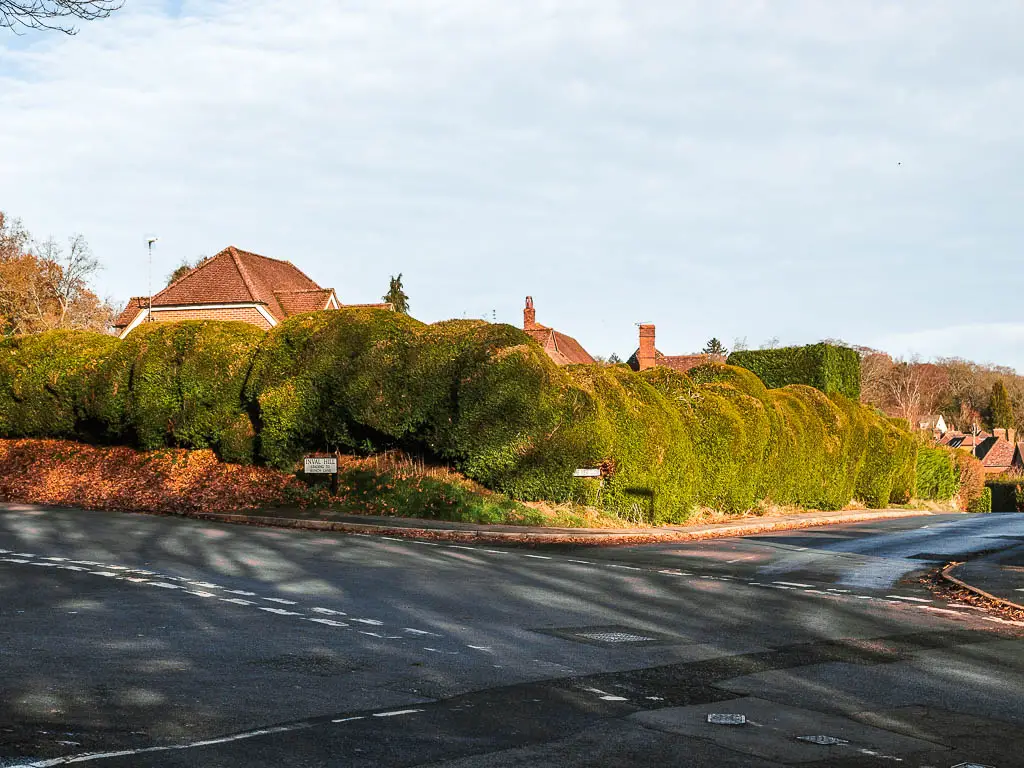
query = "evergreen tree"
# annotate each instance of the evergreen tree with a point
(396, 296)
(1001, 408)
(714, 347)
(614, 359)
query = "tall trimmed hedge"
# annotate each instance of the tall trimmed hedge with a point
(833, 369)
(485, 398)
(936, 474)
(43, 381)
(178, 384)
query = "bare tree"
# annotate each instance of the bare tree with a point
(875, 367)
(67, 276)
(53, 14)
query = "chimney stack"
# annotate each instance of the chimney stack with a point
(1000, 432)
(645, 357)
(529, 315)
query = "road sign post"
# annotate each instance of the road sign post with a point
(323, 465)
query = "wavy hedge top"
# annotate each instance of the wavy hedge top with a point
(483, 397)
(830, 368)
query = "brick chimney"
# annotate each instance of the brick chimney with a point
(1000, 432)
(529, 315)
(645, 356)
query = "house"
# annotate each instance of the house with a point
(648, 356)
(1000, 452)
(935, 424)
(234, 285)
(563, 349)
(953, 439)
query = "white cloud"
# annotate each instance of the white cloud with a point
(796, 169)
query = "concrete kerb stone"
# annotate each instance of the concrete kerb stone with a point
(945, 573)
(590, 537)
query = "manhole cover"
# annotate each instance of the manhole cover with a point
(726, 718)
(615, 637)
(823, 740)
(611, 635)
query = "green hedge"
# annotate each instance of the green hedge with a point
(43, 382)
(1007, 495)
(488, 400)
(178, 384)
(830, 368)
(983, 503)
(936, 475)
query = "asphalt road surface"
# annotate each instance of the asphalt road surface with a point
(129, 640)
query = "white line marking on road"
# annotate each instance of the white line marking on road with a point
(348, 719)
(371, 622)
(538, 557)
(278, 611)
(91, 756)
(421, 632)
(397, 713)
(614, 698)
(425, 543)
(163, 584)
(205, 585)
(457, 546)
(279, 600)
(199, 593)
(480, 648)
(236, 600)
(329, 622)
(496, 552)
(625, 567)
(912, 599)
(240, 592)
(13, 560)
(329, 611)
(792, 584)
(939, 610)
(581, 562)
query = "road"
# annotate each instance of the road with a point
(130, 640)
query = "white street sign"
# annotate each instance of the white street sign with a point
(316, 465)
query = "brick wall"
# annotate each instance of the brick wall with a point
(245, 314)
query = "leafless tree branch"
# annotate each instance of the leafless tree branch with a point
(53, 14)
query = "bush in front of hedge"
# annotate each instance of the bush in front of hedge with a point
(830, 368)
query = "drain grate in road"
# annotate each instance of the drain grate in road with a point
(615, 637)
(609, 635)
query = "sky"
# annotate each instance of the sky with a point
(744, 170)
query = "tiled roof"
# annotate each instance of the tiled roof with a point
(234, 276)
(681, 363)
(297, 302)
(135, 305)
(996, 452)
(564, 350)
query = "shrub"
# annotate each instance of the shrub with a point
(178, 385)
(43, 378)
(970, 477)
(983, 503)
(829, 368)
(488, 400)
(936, 475)
(1007, 494)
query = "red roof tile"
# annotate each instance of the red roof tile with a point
(563, 349)
(681, 363)
(997, 452)
(234, 276)
(297, 302)
(135, 305)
